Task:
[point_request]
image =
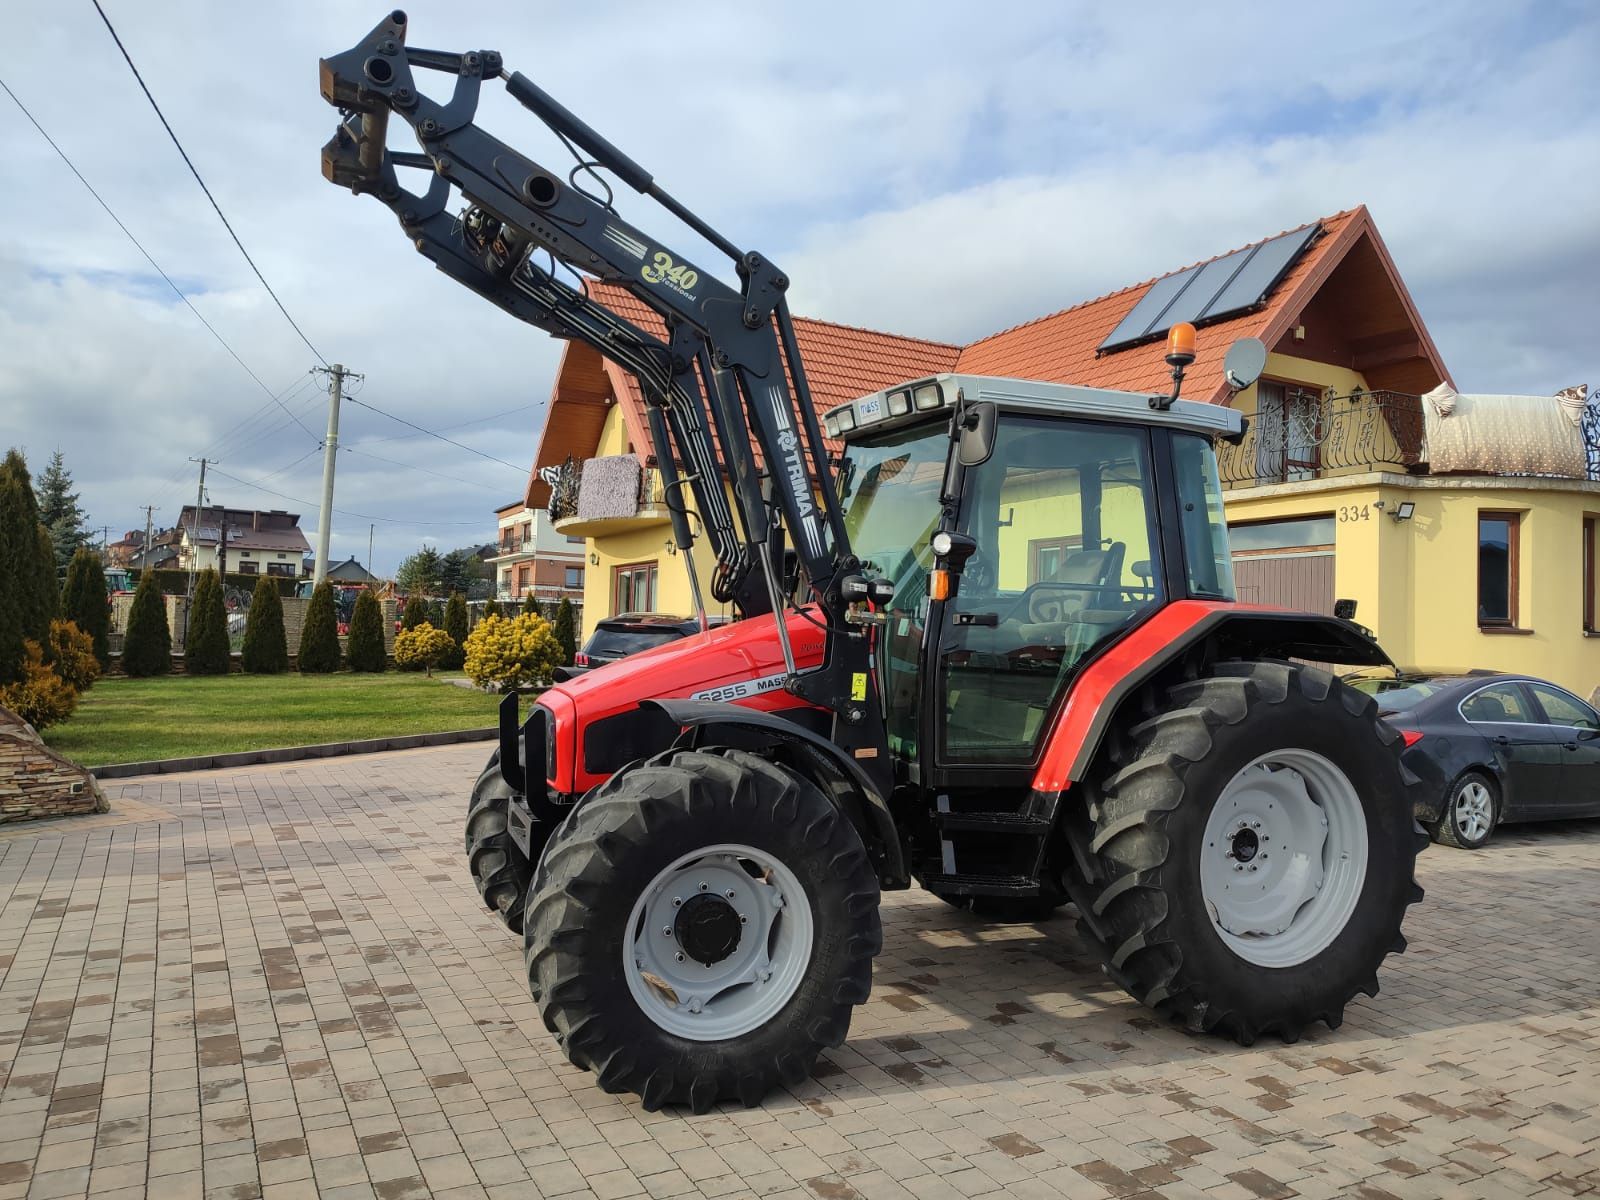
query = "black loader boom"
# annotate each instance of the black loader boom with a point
(730, 363)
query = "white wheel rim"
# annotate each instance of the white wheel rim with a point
(1474, 811)
(745, 989)
(1284, 858)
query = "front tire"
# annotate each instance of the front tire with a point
(499, 869)
(1470, 814)
(700, 929)
(1192, 914)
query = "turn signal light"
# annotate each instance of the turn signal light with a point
(1410, 737)
(580, 659)
(938, 585)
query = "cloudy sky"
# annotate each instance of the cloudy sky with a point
(935, 169)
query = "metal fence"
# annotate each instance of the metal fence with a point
(1297, 434)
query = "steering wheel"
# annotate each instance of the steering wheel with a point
(1048, 603)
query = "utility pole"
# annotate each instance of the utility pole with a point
(194, 525)
(370, 571)
(330, 451)
(144, 559)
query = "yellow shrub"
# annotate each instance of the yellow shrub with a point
(40, 697)
(512, 651)
(421, 646)
(72, 655)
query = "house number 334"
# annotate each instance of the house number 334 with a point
(1355, 512)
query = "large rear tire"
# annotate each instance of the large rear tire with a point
(700, 929)
(1257, 852)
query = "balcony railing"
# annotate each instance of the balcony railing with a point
(1309, 435)
(614, 488)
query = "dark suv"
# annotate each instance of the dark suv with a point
(628, 633)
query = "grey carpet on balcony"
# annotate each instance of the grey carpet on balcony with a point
(609, 487)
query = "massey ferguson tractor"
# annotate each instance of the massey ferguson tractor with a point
(991, 646)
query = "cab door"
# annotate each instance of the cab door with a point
(1531, 753)
(1579, 729)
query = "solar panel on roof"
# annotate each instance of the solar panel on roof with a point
(1233, 283)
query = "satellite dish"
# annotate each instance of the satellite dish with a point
(1244, 362)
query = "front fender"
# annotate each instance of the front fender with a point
(822, 761)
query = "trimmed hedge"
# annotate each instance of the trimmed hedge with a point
(319, 637)
(147, 643)
(266, 649)
(365, 644)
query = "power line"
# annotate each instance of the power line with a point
(342, 511)
(148, 258)
(193, 171)
(413, 467)
(431, 433)
(400, 437)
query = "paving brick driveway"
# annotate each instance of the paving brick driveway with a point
(278, 981)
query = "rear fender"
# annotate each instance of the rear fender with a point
(1207, 630)
(709, 722)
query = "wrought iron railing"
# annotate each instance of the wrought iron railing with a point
(1299, 434)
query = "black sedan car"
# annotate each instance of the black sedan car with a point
(1490, 748)
(628, 633)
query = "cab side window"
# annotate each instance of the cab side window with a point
(1562, 709)
(1501, 704)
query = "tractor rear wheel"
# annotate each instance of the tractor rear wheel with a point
(499, 868)
(1257, 852)
(700, 929)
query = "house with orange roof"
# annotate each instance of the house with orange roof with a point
(1330, 496)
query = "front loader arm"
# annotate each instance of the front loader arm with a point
(739, 344)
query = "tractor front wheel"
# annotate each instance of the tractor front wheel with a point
(1256, 852)
(499, 869)
(700, 929)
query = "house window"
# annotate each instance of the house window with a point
(244, 554)
(524, 579)
(1498, 537)
(574, 577)
(274, 568)
(633, 588)
(249, 568)
(1590, 561)
(1045, 556)
(1288, 431)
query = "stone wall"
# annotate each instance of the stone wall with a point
(37, 782)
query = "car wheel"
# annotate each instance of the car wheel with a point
(1470, 813)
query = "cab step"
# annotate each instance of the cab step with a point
(981, 885)
(992, 822)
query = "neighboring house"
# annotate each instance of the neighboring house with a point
(242, 541)
(531, 556)
(122, 552)
(1329, 496)
(350, 571)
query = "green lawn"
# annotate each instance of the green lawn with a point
(134, 720)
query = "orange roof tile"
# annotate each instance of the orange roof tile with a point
(1062, 347)
(843, 362)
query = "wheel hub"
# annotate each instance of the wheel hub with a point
(1284, 858)
(707, 928)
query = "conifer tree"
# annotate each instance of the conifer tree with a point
(530, 605)
(455, 624)
(566, 632)
(366, 651)
(61, 512)
(319, 637)
(83, 601)
(266, 649)
(206, 649)
(147, 643)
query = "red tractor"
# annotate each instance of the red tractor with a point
(996, 651)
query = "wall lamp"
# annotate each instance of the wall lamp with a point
(594, 559)
(1403, 511)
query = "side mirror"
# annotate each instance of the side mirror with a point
(1587, 735)
(975, 433)
(1244, 362)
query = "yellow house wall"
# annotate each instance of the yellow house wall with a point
(673, 594)
(1415, 582)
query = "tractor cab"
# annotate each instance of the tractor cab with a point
(1067, 517)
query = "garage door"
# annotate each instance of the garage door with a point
(1288, 564)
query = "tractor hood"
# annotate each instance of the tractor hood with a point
(594, 716)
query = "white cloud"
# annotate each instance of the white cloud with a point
(941, 170)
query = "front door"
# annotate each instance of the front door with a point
(1063, 517)
(1531, 752)
(1579, 729)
